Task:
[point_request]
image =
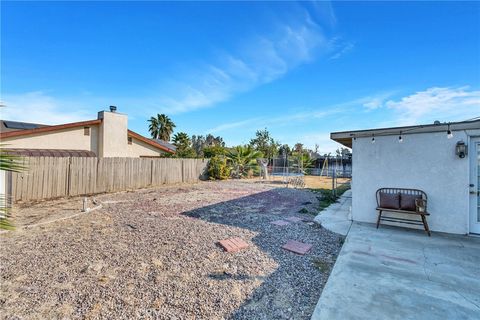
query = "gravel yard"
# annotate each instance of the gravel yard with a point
(154, 253)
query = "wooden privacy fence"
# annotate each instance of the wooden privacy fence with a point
(50, 177)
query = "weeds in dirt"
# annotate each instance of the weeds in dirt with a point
(327, 197)
(321, 264)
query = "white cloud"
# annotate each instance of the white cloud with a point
(234, 125)
(295, 119)
(375, 101)
(273, 122)
(344, 49)
(444, 104)
(260, 60)
(38, 107)
(294, 39)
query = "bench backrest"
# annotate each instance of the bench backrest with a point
(413, 192)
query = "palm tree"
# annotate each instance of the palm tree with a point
(243, 158)
(161, 127)
(10, 163)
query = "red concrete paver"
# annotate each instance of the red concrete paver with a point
(297, 247)
(293, 219)
(280, 222)
(233, 244)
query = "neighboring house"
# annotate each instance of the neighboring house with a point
(166, 144)
(440, 159)
(106, 136)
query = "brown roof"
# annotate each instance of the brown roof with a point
(48, 128)
(149, 141)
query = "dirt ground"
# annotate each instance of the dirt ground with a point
(313, 182)
(154, 254)
(317, 182)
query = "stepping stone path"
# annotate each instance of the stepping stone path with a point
(297, 247)
(233, 244)
(280, 222)
(293, 219)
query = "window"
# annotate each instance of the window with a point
(86, 131)
(130, 139)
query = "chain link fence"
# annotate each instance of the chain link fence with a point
(331, 174)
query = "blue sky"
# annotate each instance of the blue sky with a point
(300, 69)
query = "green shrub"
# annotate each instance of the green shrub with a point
(218, 168)
(210, 152)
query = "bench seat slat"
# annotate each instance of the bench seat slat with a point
(404, 211)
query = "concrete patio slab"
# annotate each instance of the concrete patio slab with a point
(396, 273)
(337, 217)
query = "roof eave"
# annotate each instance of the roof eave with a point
(149, 141)
(345, 137)
(26, 132)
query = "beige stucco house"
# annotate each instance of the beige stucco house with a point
(106, 136)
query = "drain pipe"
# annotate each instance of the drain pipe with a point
(85, 207)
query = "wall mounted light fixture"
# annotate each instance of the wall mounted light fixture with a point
(461, 149)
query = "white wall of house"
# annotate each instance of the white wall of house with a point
(425, 161)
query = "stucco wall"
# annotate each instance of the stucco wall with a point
(424, 161)
(139, 148)
(112, 134)
(72, 138)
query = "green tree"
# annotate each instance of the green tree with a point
(198, 144)
(210, 141)
(343, 153)
(284, 150)
(264, 143)
(208, 146)
(161, 127)
(209, 152)
(182, 142)
(298, 147)
(243, 158)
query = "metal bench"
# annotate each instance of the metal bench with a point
(414, 202)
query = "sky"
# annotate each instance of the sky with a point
(299, 69)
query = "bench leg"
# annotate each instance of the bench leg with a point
(379, 217)
(425, 225)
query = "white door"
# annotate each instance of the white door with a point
(475, 186)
